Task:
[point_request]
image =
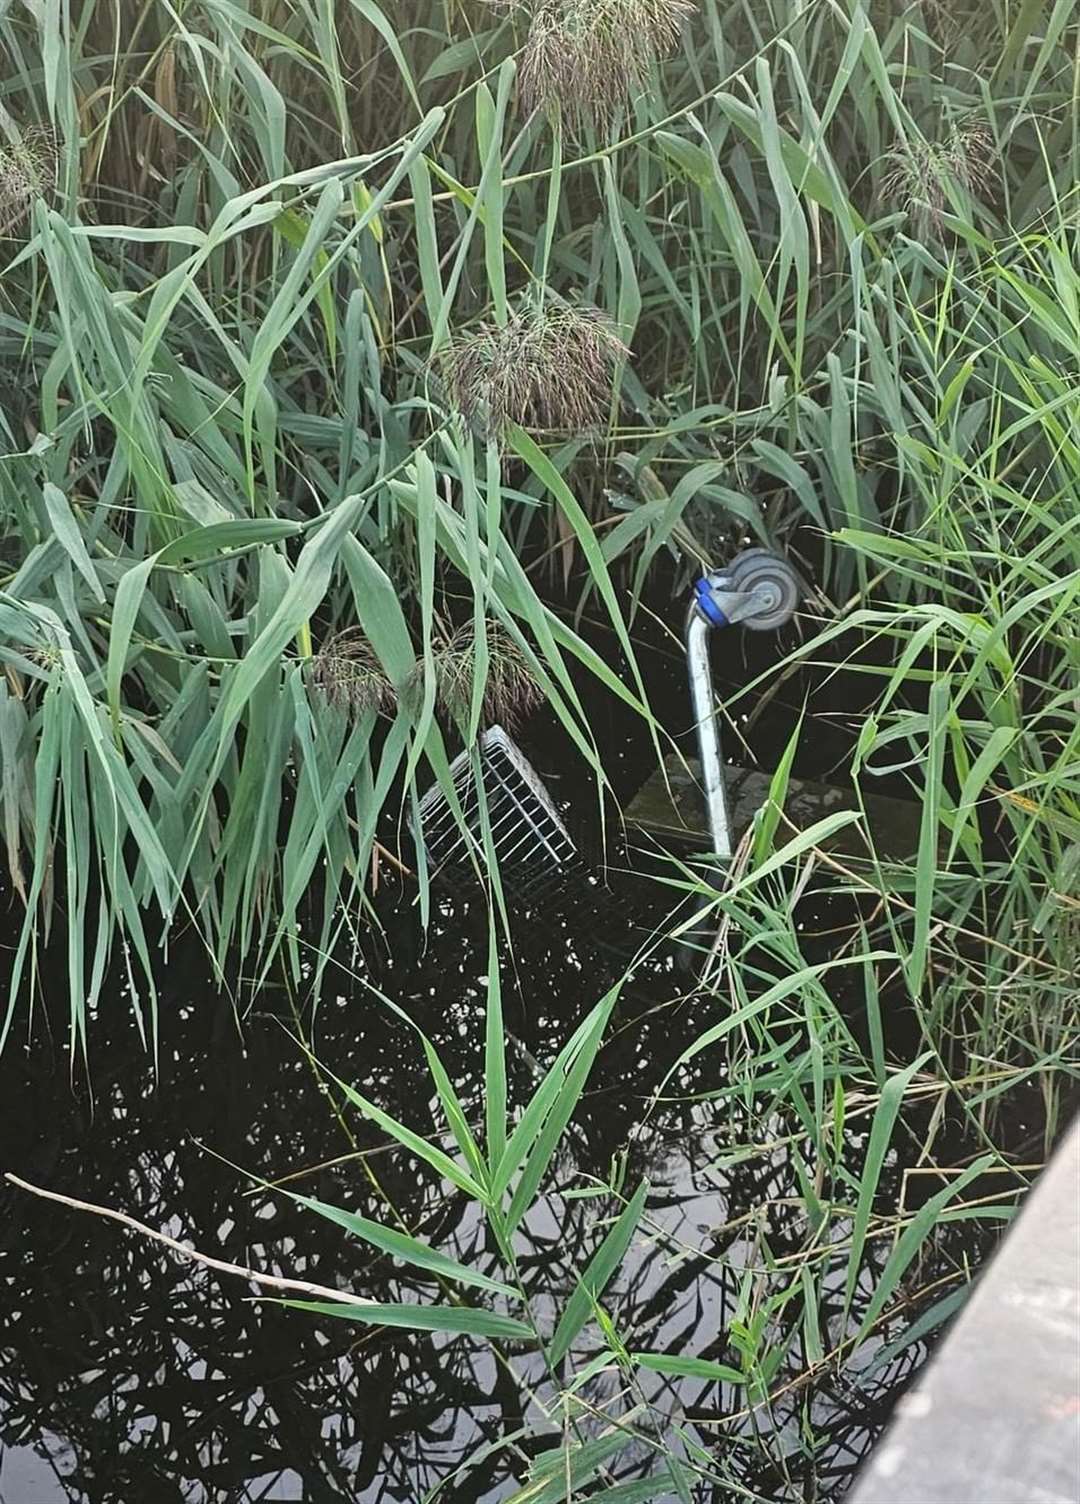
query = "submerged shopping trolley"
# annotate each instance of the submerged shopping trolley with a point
(703, 803)
(530, 841)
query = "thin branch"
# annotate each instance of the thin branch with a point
(274, 1281)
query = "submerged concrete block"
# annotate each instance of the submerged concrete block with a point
(670, 807)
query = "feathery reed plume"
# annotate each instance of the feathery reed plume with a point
(348, 673)
(510, 687)
(547, 369)
(588, 57)
(27, 173)
(920, 172)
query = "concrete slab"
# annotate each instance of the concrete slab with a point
(995, 1419)
(669, 806)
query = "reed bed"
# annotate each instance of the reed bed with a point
(320, 325)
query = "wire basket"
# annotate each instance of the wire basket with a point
(532, 845)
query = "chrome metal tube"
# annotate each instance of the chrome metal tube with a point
(698, 630)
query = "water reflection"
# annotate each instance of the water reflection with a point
(127, 1375)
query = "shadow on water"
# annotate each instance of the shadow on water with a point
(127, 1375)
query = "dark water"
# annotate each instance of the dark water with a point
(127, 1375)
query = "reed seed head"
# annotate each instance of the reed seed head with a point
(585, 58)
(510, 687)
(920, 171)
(348, 673)
(27, 173)
(547, 369)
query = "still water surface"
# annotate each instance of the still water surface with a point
(130, 1377)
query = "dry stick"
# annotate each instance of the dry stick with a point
(276, 1282)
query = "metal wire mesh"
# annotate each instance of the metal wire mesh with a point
(532, 845)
